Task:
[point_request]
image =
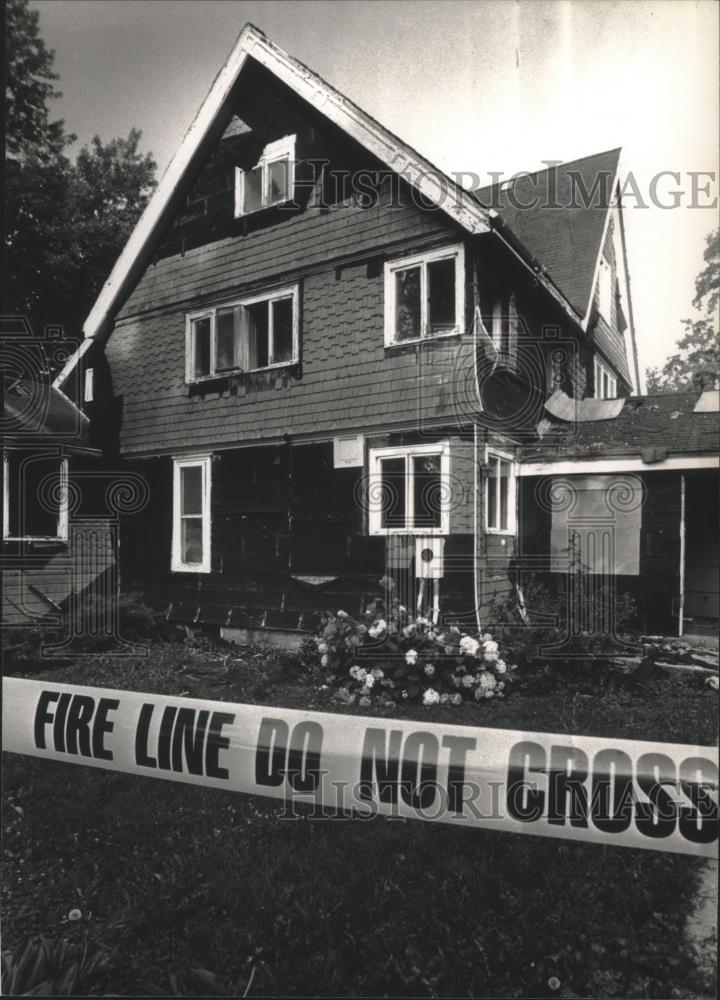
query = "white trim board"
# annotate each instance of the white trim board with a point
(457, 203)
(581, 466)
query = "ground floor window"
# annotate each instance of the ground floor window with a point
(408, 490)
(191, 515)
(35, 497)
(500, 491)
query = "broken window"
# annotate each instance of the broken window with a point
(424, 295)
(500, 494)
(252, 334)
(408, 490)
(270, 181)
(35, 492)
(605, 382)
(191, 515)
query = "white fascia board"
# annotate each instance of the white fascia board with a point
(585, 466)
(428, 180)
(596, 272)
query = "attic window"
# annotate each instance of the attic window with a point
(249, 335)
(605, 382)
(270, 181)
(424, 295)
(605, 290)
(35, 497)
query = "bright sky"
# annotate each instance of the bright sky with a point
(479, 86)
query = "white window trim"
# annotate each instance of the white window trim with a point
(600, 369)
(493, 454)
(458, 253)
(605, 290)
(376, 455)
(205, 463)
(211, 314)
(63, 520)
(274, 151)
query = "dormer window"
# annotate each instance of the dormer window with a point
(270, 181)
(605, 290)
(605, 381)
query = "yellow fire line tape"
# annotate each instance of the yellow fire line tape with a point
(660, 796)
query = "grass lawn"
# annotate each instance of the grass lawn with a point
(172, 878)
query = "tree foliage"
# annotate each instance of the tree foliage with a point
(696, 363)
(65, 222)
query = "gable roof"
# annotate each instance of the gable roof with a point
(545, 210)
(539, 247)
(212, 118)
(648, 427)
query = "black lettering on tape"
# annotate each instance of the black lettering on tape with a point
(698, 780)
(524, 802)
(568, 773)
(612, 791)
(377, 760)
(43, 717)
(217, 742)
(657, 817)
(142, 756)
(303, 762)
(459, 747)
(271, 752)
(419, 770)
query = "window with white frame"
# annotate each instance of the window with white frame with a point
(270, 181)
(35, 497)
(408, 490)
(191, 515)
(425, 295)
(500, 491)
(604, 380)
(244, 336)
(605, 290)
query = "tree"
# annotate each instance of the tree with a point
(29, 84)
(696, 364)
(65, 222)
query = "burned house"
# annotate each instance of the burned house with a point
(326, 358)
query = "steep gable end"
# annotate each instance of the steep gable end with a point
(212, 120)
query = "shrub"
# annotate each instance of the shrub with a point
(390, 656)
(557, 621)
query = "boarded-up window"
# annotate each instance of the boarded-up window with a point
(596, 521)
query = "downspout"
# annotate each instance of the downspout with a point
(681, 610)
(476, 524)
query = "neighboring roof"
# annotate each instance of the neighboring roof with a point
(557, 227)
(36, 412)
(648, 427)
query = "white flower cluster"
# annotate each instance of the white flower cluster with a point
(377, 628)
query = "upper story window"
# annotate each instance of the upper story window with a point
(500, 492)
(35, 497)
(270, 181)
(191, 515)
(408, 490)
(604, 380)
(425, 295)
(605, 290)
(254, 333)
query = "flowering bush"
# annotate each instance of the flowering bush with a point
(389, 656)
